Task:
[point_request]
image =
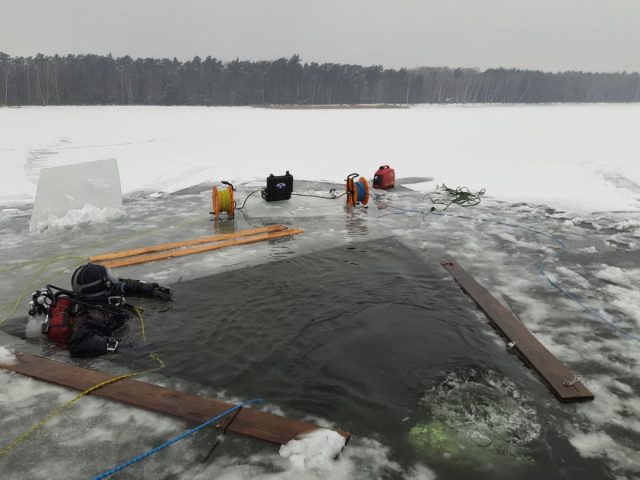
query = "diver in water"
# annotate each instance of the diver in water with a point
(84, 320)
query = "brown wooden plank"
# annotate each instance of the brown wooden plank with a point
(560, 380)
(152, 257)
(185, 243)
(192, 408)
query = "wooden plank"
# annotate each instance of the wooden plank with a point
(184, 243)
(192, 408)
(560, 380)
(152, 257)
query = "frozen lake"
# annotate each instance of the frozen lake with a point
(400, 353)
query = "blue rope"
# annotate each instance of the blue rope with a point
(168, 443)
(541, 270)
(361, 191)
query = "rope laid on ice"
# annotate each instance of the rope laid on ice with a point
(44, 265)
(334, 197)
(47, 262)
(170, 442)
(541, 270)
(57, 411)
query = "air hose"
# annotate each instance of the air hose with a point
(176, 439)
(541, 270)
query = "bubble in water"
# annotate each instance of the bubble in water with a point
(475, 418)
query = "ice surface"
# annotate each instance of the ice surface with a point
(296, 207)
(78, 193)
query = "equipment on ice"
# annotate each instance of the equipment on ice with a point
(357, 192)
(385, 177)
(222, 200)
(278, 187)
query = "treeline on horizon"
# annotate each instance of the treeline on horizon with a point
(107, 80)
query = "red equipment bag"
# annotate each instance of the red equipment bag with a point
(384, 178)
(60, 321)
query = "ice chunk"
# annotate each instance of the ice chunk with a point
(315, 450)
(73, 187)
(87, 214)
(7, 357)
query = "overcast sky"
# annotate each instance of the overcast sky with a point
(596, 35)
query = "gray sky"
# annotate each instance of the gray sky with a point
(596, 35)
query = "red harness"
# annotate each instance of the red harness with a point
(60, 322)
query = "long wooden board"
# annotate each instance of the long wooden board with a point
(152, 257)
(185, 243)
(192, 408)
(560, 380)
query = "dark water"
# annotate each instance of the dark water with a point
(376, 340)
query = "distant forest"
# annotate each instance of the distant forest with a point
(106, 80)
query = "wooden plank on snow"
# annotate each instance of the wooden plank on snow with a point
(185, 243)
(566, 386)
(193, 409)
(181, 252)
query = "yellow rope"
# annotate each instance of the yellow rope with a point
(57, 411)
(139, 311)
(30, 285)
(17, 441)
(25, 291)
(224, 196)
(55, 259)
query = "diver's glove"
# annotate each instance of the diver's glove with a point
(160, 292)
(41, 300)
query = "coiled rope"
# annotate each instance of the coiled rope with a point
(461, 196)
(541, 266)
(226, 201)
(361, 191)
(57, 411)
(357, 192)
(222, 200)
(170, 442)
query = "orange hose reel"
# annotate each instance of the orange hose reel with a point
(357, 191)
(222, 201)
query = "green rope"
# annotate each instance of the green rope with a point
(47, 262)
(44, 265)
(461, 196)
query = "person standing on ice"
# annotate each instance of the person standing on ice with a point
(84, 320)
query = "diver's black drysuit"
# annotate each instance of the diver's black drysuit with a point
(93, 322)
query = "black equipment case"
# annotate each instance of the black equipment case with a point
(278, 187)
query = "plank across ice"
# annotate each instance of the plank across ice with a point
(558, 378)
(181, 252)
(184, 243)
(194, 409)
